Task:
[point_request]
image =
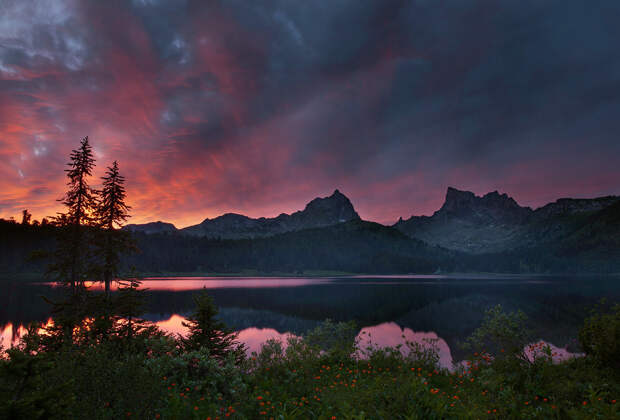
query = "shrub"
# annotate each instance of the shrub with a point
(337, 340)
(206, 331)
(503, 334)
(600, 337)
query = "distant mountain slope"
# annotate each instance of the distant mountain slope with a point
(496, 223)
(354, 246)
(568, 236)
(319, 212)
(470, 223)
(597, 235)
(152, 227)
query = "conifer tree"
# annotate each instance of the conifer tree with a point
(72, 261)
(72, 264)
(111, 213)
(206, 331)
(129, 305)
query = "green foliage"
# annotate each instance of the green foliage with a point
(503, 334)
(150, 375)
(200, 371)
(600, 337)
(26, 393)
(337, 340)
(108, 381)
(127, 308)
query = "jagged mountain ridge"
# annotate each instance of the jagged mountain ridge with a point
(492, 223)
(496, 222)
(320, 212)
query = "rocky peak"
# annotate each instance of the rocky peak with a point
(491, 205)
(497, 200)
(335, 208)
(457, 199)
(319, 212)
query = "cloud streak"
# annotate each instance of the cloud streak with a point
(257, 107)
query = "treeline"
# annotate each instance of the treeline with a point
(356, 246)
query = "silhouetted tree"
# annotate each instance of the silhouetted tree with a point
(72, 265)
(111, 213)
(72, 261)
(128, 307)
(26, 216)
(206, 331)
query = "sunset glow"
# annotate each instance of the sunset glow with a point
(212, 108)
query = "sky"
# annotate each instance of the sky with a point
(256, 107)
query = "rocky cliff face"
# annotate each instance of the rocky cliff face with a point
(493, 206)
(495, 222)
(470, 223)
(320, 212)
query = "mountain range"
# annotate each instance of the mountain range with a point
(489, 233)
(320, 212)
(467, 223)
(496, 223)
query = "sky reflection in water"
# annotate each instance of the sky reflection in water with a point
(390, 310)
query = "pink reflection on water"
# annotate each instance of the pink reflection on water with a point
(252, 337)
(10, 336)
(390, 334)
(178, 284)
(173, 325)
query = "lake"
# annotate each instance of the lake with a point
(387, 309)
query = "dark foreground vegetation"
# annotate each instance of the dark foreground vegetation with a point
(125, 368)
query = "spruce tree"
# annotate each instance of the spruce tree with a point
(128, 307)
(111, 213)
(206, 331)
(72, 261)
(72, 264)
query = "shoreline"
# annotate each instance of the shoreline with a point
(154, 276)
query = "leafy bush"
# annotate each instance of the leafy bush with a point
(337, 340)
(600, 337)
(503, 334)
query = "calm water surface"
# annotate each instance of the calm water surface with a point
(387, 309)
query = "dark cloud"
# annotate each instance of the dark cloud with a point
(256, 107)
